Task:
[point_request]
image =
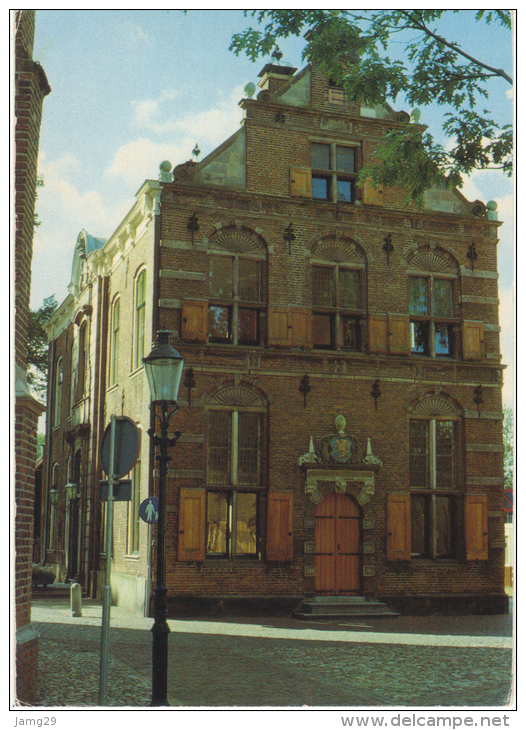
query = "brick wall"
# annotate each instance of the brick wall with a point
(177, 263)
(30, 88)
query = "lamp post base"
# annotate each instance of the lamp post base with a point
(160, 631)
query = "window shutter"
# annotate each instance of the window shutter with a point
(194, 320)
(476, 521)
(300, 320)
(301, 182)
(278, 326)
(472, 340)
(372, 196)
(192, 511)
(289, 327)
(399, 340)
(398, 527)
(377, 333)
(279, 527)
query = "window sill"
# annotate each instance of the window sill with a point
(241, 560)
(136, 372)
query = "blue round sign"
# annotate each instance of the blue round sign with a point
(149, 510)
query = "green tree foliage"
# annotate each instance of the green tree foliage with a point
(355, 47)
(37, 347)
(508, 438)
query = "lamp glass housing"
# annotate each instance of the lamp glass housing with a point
(53, 496)
(164, 369)
(72, 490)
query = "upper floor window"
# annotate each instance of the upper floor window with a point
(82, 361)
(59, 379)
(114, 344)
(333, 169)
(235, 300)
(140, 319)
(338, 286)
(337, 305)
(432, 316)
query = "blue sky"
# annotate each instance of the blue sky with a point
(131, 88)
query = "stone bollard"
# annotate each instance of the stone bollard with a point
(76, 599)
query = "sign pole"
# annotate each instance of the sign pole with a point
(106, 597)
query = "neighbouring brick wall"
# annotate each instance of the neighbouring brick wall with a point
(30, 89)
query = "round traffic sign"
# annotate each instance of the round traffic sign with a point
(508, 500)
(126, 450)
(149, 510)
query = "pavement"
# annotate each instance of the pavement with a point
(433, 661)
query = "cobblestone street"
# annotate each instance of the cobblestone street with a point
(404, 662)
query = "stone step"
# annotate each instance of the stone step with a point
(342, 607)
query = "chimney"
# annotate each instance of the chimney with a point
(274, 76)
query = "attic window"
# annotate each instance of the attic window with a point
(336, 94)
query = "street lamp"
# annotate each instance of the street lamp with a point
(164, 368)
(72, 490)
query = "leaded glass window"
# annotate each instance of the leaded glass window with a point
(234, 279)
(336, 290)
(433, 480)
(431, 299)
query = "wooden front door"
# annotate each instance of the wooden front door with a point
(337, 546)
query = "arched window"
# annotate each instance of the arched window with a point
(434, 478)
(114, 343)
(434, 317)
(140, 319)
(52, 529)
(57, 403)
(134, 521)
(224, 519)
(82, 361)
(338, 295)
(236, 288)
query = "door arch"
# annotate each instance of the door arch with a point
(337, 546)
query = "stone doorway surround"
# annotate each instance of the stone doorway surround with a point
(354, 477)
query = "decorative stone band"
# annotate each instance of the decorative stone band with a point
(358, 483)
(471, 299)
(492, 448)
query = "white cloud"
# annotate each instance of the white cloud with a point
(133, 33)
(210, 127)
(140, 160)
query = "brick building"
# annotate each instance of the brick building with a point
(31, 86)
(340, 407)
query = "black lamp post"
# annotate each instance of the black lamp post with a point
(164, 368)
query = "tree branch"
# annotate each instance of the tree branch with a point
(420, 25)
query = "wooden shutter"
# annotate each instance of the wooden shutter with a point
(399, 339)
(192, 517)
(194, 320)
(476, 525)
(301, 182)
(372, 196)
(472, 340)
(278, 326)
(289, 327)
(398, 527)
(377, 335)
(279, 527)
(300, 332)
